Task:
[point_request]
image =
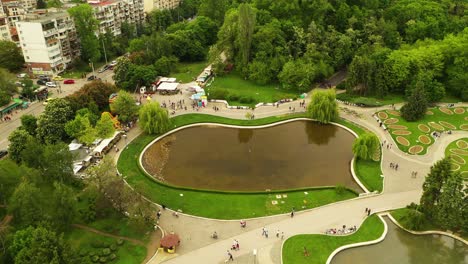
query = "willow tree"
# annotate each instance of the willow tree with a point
(366, 146)
(323, 106)
(246, 22)
(154, 119)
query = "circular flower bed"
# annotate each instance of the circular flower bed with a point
(462, 144)
(447, 125)
(445, 110)
(455, 167)
(391, 121)
(464, 174)
(429, 112)
(460, 151)
(424, 139)
(424, 128)
(415, 149)
(403, 141)
(457, 159)
(436, 126)
(382, 115)
(401, 132)
(393, 112)
(459, 110)
(397, 127)
(464, 127)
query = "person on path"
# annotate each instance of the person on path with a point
(231, 258)
(158, 214)
(367, 209)
(237, 244)
(266, 233)
(368, 212)
(282, 235)
(263, 231)
(292, 213)
(396, 167)
(277, 233)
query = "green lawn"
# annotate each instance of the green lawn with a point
(88, 243)
(223, 205)
(239, 87)
(321, 246)
(463, 167)
(187, 72)
(386, 100)
(455, 119)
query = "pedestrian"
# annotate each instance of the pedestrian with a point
(396, 167)
(158, 214)
(266, 233)
(292, 213)
(368, 212)
(388, 146)
(282, 235)
(391, 164)
(263, 231)
(237, 245)
(367, 209)
(306, 253)
(277, 233)
(231, 258)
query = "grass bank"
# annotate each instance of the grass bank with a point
(321, 246)
(187, 72)
(222, 205)
(386, 100)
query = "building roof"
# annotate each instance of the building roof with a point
(167, 86)
(40, 18)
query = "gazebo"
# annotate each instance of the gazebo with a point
(169, 243)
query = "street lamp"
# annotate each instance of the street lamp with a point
(92, 66)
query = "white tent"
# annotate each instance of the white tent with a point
(104, 143)
(74, 146)
(165, 86)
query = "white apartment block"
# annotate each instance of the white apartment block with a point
(160, 4)
(4, 28)
(111, 14)
(48, 41)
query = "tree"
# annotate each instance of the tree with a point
(323, 106)
(165, 65)
(125, 106)
(297, 75)
(7, 86)
(416, 106)
(40, 245)
(213, 9)
(81, 129)
(64, 205)
(29, 124)
(154, 119)
(432, 186)
(105, 126)
(19, 139)
(366, 146)
(11, 57)
(451, 207)
(26, 204)
(10, 176)
(86, 24)
(245, 33)
(121, 72)
(54, 3)
(51, 123)
(95, 92)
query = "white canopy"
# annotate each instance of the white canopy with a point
(74, 146)
(104, 143)
(166, 79)
(197, 89)
(165, 86)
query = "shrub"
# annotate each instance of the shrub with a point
(103, 259)
(414, 219)
(367, 102)
(112, 257)
(246, 99)
(106, 252)
(120, 242)
(220, 94)
(97, 244)
(113, 247)
(340, 189)
(233, 97)
(83, 252)
(341, 86)
(95, 259)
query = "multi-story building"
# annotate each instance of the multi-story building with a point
(48, 41)
(150, 5)
(4, 28)
(111, 14)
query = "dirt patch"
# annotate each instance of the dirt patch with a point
(391, 121)
(466, 118)
(429, 112)
(403, 141)
(394, 112)
(464, 127)
(436, 126)
(457, 159)
(401, 132)
(459, 110)
(447, 125)
(415, 149)
(445, 110)
(462, 144)
(424, 128)
(424, 139)
(460, 151)
(382, 115)
(397, 127)
(455, 167)
(156, 156)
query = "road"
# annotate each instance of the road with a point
(36, 108)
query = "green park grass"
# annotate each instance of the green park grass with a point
(85, 242)
(187, 72)
(454, 119)
(463, 167)
(386, 100)
(321, 246)
(236, 85)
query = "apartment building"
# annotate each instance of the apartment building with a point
(149, 5)
(111, 14)
(49, 42)
(4, 28)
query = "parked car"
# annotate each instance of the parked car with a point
(57, 78)
(70, 81)
(103, 69)
(3, 153)
(21, 75)
(41, 82)
(51, 84)
(47, 101)
(113, 63)
(92, 77)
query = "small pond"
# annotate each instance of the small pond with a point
(402, 247)
(291, 155)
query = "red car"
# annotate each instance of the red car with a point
(69, 82)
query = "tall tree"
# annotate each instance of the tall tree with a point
(451, 207)
(10, 56)
(323, 106)
(95, 92)
(246, 28)
(416, 106)
(29, 124)
(19, 139)
(105, 126)
(86, 24)
(26, 204)
(51, 123)
(125, 106)
(154, 119)
(213, 9)
(366, 146)
(7, 86)
(432, 186)
(64, 204)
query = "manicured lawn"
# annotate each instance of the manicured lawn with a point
(236, 85)
(387, 100)
(187, 72)
(222, 205)
(88, 243)
(368, 172)
(437, 116)
(458, 158)
(321, 246)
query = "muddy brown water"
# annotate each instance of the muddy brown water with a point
(292, 155)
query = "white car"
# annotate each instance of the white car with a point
(21, 75)
(113, 63)
(51, 84)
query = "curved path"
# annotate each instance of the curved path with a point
(400, 189)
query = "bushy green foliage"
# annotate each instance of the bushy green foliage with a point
(154, 119)
(366, 146)
(416, 107)
(323, 106)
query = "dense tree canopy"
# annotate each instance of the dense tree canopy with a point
(323, 106)
(7, 86)
(125, 107)
(51, 124)
(366, 146)
(86, 24)
(153, 118)
(11, 57)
